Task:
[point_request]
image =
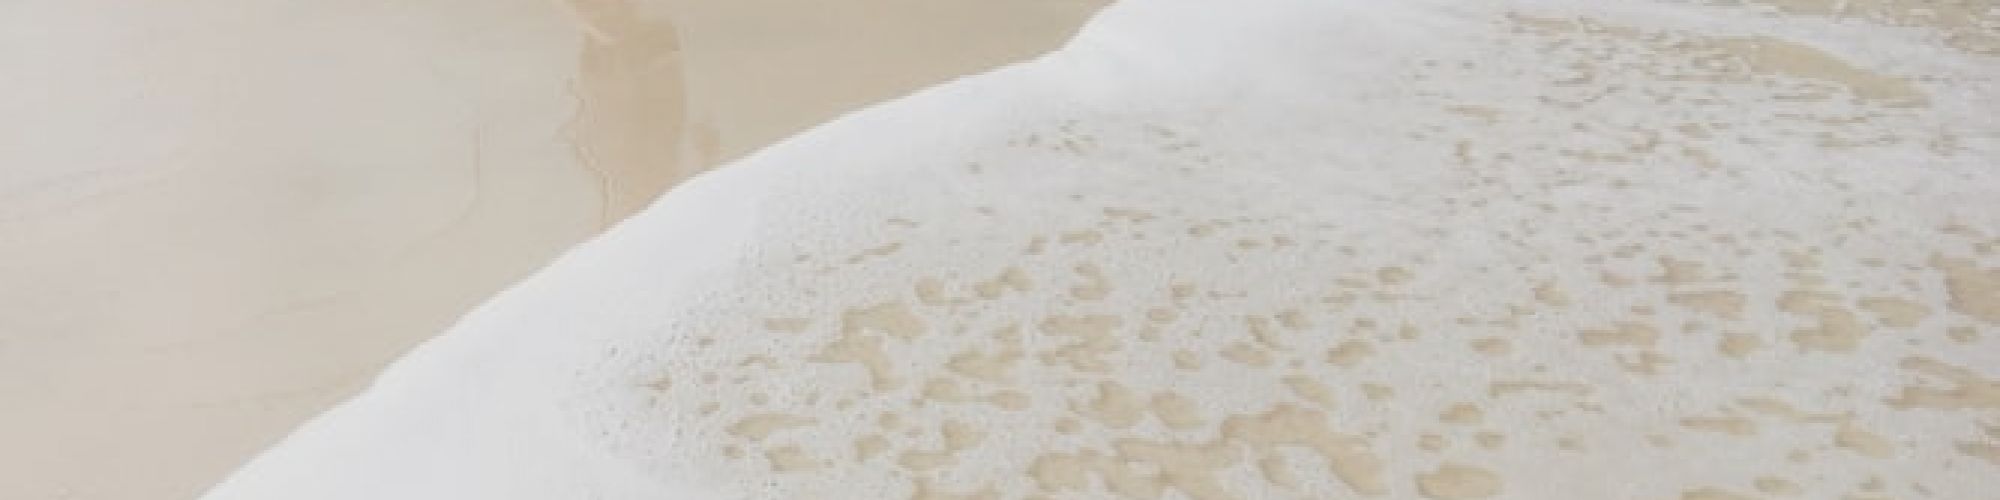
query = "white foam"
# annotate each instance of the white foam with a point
(1274, 249)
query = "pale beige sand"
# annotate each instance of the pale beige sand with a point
(217, 218)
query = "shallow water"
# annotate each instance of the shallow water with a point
(1285, 249)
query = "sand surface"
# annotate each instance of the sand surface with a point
(219, 217)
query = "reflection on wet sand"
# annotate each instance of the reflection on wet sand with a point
(631, 119)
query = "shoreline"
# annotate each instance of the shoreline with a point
(215, 242)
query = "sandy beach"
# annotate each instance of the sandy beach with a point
(778, 249)
(218, 218)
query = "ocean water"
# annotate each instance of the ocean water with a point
(1279, 249)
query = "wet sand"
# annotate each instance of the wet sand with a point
(218, 219)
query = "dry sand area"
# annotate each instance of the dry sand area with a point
(219, 217)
